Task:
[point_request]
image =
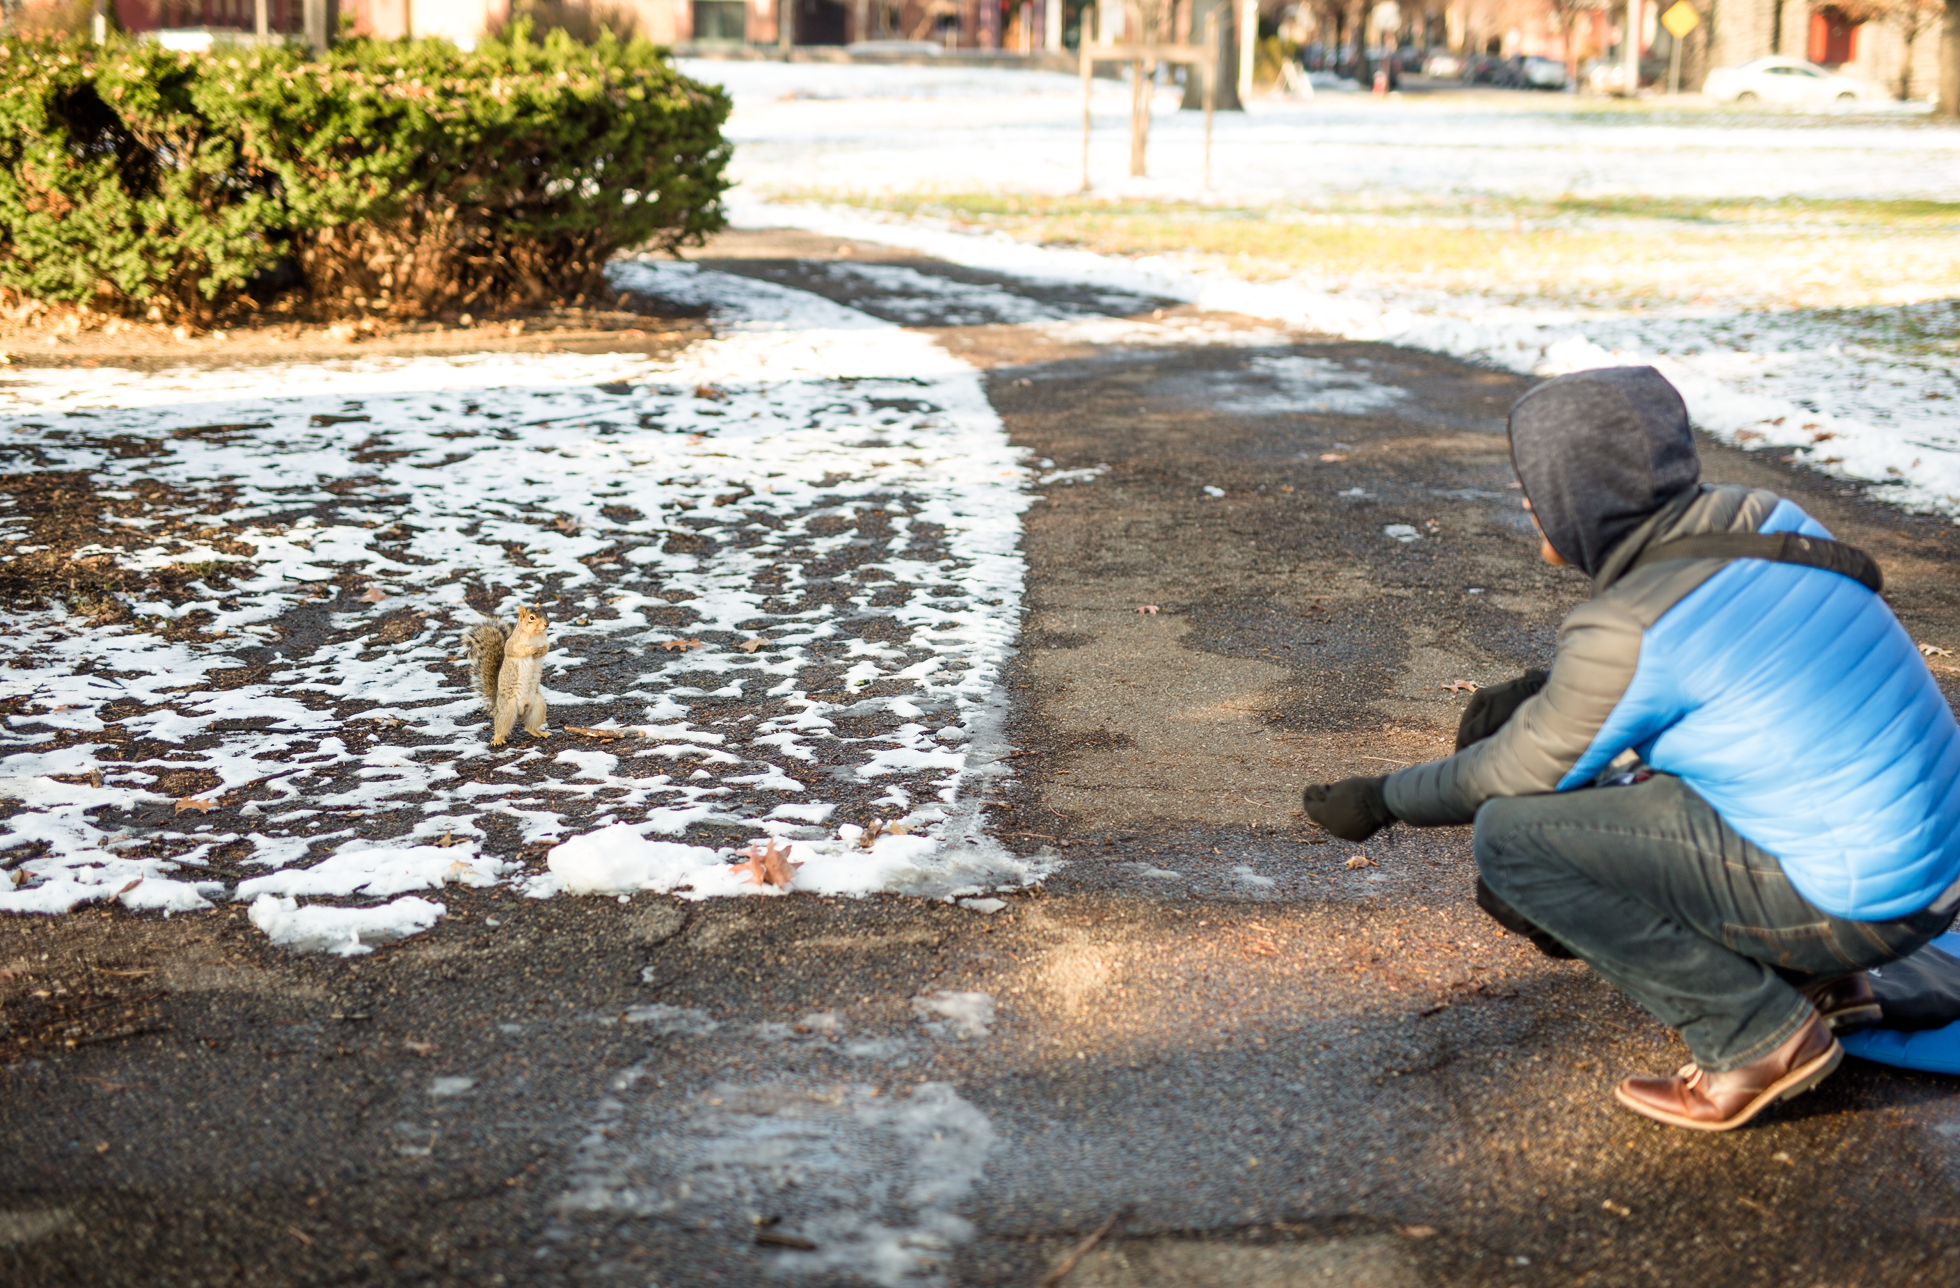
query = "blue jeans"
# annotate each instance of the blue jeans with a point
(1671, 905)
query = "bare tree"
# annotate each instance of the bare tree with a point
(1566, 15)
(1912, 19)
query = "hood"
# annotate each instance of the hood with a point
(1598, 452)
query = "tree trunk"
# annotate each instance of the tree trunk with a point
(1228, 59)
(1949, 104)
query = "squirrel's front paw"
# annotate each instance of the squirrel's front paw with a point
(496, 742)
(540, 733)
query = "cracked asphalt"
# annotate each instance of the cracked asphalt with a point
(1275, 1059)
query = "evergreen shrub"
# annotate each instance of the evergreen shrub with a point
(396, 179)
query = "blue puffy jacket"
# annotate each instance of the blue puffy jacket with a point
(1788, 697)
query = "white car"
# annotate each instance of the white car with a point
(1785, 80)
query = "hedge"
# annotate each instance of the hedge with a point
(398, 179)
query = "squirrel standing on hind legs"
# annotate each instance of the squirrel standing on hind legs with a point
(508, 662)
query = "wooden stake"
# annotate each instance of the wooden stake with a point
(1211, 85)
(1088, 71)
(1139, 118)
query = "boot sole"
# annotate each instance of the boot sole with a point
(1794, 1083)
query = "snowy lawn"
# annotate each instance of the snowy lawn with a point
(1794, 274)
(783, 564)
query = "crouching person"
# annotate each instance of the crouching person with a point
(1737, 788)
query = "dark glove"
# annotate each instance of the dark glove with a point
(1490, 708)
(1353, 809)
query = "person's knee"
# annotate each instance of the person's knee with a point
(1495, 839)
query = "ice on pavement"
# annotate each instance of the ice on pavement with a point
(718, 482)
(875, 1178)
(947, 1013)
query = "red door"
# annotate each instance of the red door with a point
(1833, 38)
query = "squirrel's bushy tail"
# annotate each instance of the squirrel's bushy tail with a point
(484, 642)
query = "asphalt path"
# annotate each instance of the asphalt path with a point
(1269, 1057)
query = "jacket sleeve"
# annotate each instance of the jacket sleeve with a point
(1598, 650)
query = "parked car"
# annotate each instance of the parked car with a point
(1483, 69)
(1786, 80)
(1534, 72)
(1442, 64)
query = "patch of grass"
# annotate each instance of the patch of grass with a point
(1613, 252)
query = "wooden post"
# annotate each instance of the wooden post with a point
(1088, 71)
(1139, 119)
(1211, 85)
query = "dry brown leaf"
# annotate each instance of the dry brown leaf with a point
(713, 393)
(1934, 650)
(1362, 861)
(1333, 456)
(1462, 686)
(202, 807)
(750, 646)
(870, 834)
(374, 595)
(448, 840)
(1149, 610)
(898, 829)
(682, 645)
(768, 864)
(584, 732)
(131, 886)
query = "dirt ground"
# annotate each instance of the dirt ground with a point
(1270, 1063)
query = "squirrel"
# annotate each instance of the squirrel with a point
(508, 662)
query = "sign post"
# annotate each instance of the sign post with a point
(1679, 21)
(1140, 57)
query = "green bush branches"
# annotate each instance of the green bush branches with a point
(400, 179)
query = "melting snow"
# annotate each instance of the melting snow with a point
(812, 478)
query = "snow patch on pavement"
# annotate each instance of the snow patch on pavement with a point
(345, 932)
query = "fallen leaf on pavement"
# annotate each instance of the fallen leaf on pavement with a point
(202, 807)
(682, 645)
(131, 886)
(1148, 610)
(713, 393)
(750, 646)
(448, 839)
(870, 834)
(1333, 456)
(1362, 861)
(768, 864)
(374, 595)
(1934, 650)
(584, 732)
(1462, 686)
(777, 1239)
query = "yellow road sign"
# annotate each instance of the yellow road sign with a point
(1681, 19)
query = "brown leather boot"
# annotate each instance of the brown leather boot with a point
(1845, 1002)
(1703, 1101)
